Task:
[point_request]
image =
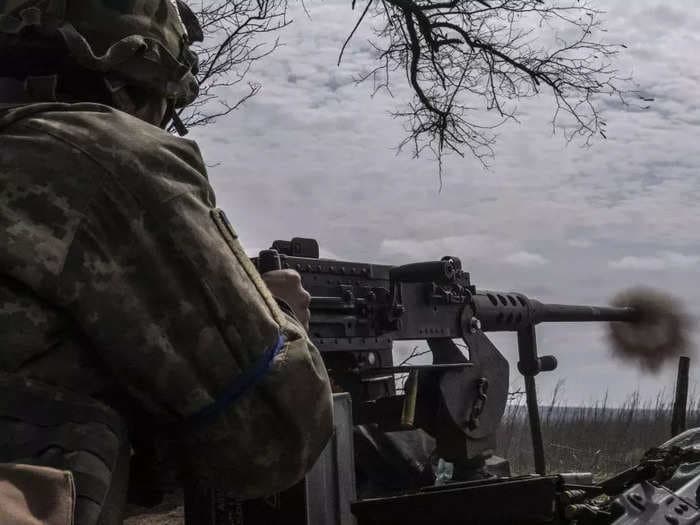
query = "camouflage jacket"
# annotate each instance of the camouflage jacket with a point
(117, 270)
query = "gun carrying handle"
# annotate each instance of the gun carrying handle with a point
(438, 271)
(269, 260)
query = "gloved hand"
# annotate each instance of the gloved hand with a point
(286, 286)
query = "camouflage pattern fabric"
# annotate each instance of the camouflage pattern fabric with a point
(142, 42)
(116, 269)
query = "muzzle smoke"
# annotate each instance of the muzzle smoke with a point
(660, 333)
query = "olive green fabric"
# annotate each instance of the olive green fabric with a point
(115, 271)
(141, 42)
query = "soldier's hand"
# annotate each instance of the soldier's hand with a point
(286, 285)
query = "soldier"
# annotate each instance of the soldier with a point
(128, 309)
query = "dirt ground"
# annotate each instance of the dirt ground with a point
(170, 512)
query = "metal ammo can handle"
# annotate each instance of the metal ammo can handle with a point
(269, 260)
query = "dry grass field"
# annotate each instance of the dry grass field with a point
(598, 439)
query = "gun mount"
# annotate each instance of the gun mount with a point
(358, 310)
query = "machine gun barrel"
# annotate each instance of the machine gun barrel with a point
(565, 313)
(500, 312)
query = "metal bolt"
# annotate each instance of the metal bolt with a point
(474, 325)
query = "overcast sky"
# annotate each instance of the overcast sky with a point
(313, 155)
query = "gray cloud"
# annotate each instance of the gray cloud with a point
(661, 261)
(579, 243)
(526, 259)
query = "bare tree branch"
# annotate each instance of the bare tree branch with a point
(236, 36)
(415, 352)
(468, 62)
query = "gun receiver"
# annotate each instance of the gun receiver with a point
(358, 310)
(395, 302)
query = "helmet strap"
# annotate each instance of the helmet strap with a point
(171, 117)
(179, 125)
(120, 97)
(123, 100)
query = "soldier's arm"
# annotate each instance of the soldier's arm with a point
(174, 309)
(287, 288)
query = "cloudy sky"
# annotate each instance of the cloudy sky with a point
(314, 155)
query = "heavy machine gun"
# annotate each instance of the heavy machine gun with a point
(358, 311)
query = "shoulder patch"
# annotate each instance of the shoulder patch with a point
(231, 238)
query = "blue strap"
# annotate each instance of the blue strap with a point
(241, 386)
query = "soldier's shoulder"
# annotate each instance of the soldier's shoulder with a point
(124, 146)
(79, 120)
(94, 125)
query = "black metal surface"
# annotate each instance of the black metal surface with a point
(385, 411)
(476, 400)
(269, 260)
(529, 365)
(680, 401)
(500, 311)
(355, 307)
(535, 427)
(530, 500)
(560, 313)
(443, 271)
(417, 368)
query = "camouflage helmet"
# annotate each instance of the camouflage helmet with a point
(142, 43)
